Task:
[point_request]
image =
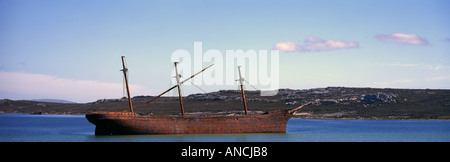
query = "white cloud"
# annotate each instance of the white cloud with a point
(315, 44)
(440, 78)
(37, 86)
(438, 67)
(285, 46)
(391, 84)
(403, 65)
(418, 66)
(411, 39)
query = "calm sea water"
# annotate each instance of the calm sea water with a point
(75, 128)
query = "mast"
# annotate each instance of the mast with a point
(179, 89)
(154, 98)
(242, 90)
(126, 82)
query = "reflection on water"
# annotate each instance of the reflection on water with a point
(195, 138)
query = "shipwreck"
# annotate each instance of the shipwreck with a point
(123, 123)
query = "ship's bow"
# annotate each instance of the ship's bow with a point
(109, 123)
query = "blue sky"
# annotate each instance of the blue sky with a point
(71, 49)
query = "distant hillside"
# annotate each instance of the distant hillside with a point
(52, 100)
(328, 103)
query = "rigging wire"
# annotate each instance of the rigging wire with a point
(251, 85)
(196, 86)
(199, 88)
(244, 85)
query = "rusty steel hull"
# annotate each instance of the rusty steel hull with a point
(121, 123)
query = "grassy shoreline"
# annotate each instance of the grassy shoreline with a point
(328, 103)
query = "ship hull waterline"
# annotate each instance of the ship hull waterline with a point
(127, 123)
